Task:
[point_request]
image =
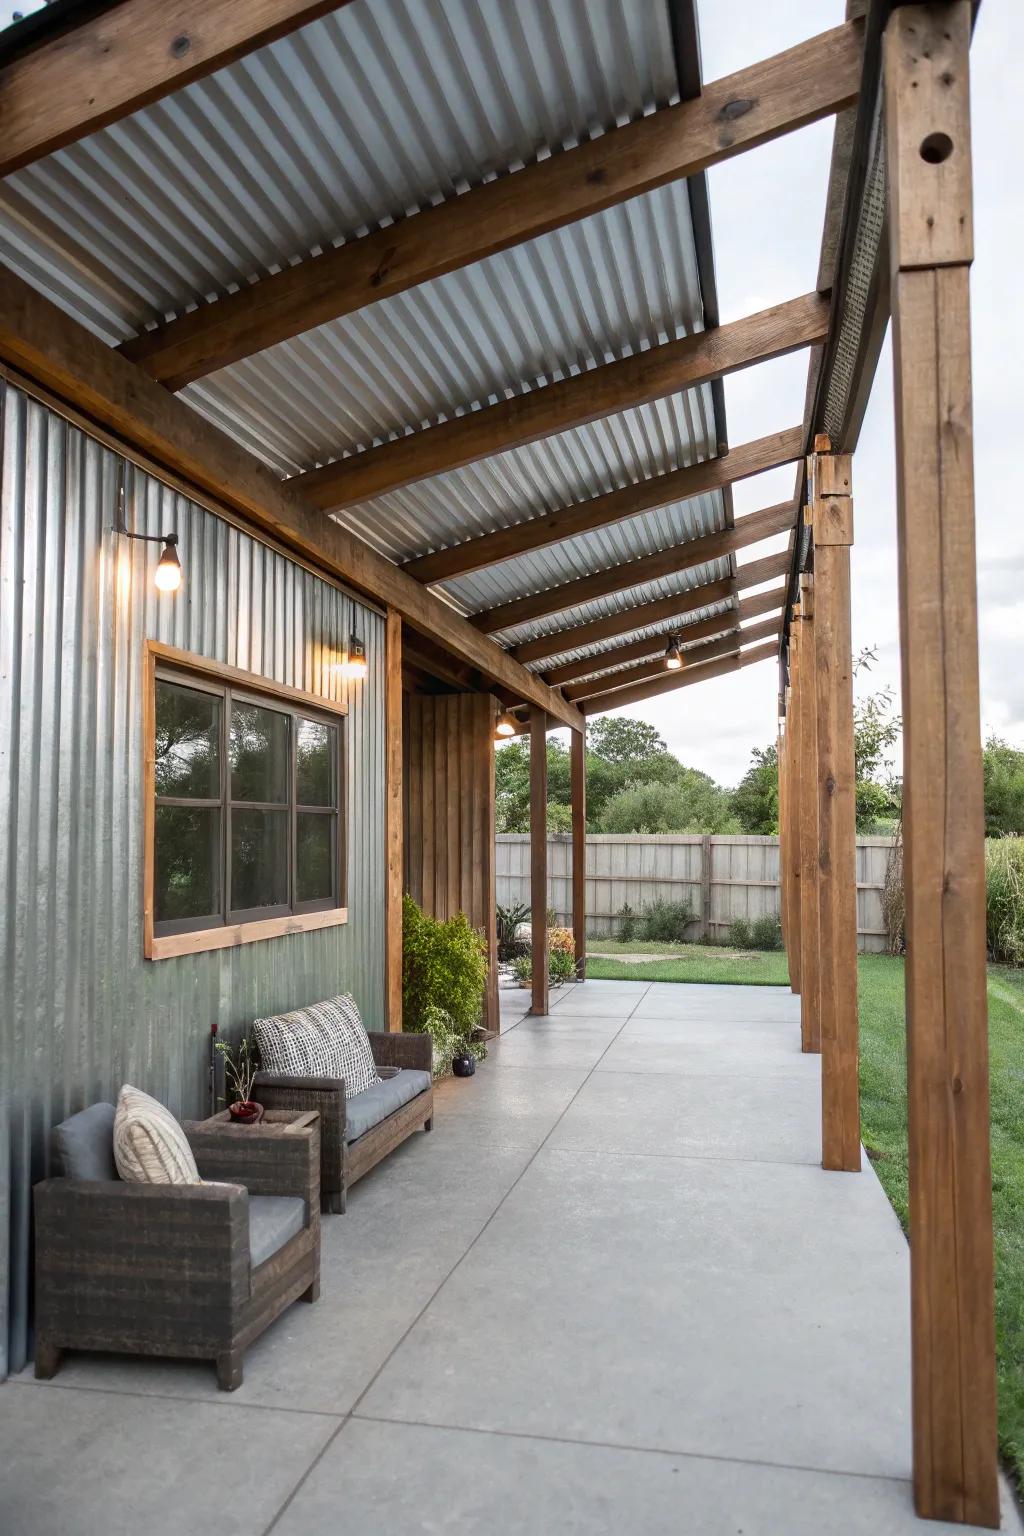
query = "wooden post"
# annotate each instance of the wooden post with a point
(539, 857)
(705, 885)
(795, 702)
(578, 771)
(394, 794)
(780, 755)
(810, 1019)
(830, 482)
(930, 226)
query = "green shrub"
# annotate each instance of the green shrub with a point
(1004, 899)
(626, 919)
(522, 969)
(665, 922)
(561, 967)
(739, 934)
(444, 966)
(766, 933)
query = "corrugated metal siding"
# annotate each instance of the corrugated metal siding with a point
(82, 1010)
(379, 109)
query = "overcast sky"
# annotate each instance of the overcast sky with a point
(767, 208)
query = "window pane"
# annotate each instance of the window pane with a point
(259, 859)
(258, 753)
(187, 742)
(316, 842)
(187, 881)
(315, 747)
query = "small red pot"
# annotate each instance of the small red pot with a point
(246, 1112)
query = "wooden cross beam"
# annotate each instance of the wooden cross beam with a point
(113, 63)
(771, 98)
(618, 698)
(663, 610)
(628, 501)
(583, 397)
(666, 562)
(726, 646)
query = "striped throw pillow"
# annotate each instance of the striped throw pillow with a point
(150, 1146)
(324, 1040)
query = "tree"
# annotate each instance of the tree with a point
(693, 803)
(876, 732)
(1004, 788)
(512, 786)
(755, 800)
(625, 740)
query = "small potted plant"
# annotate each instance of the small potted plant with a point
(240, 1068)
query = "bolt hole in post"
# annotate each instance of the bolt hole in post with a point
(936, 148)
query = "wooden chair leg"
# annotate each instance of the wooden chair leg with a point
(428, 1125)
(48, 1358)
(334, 1202)
(312, 1292)
(229, 1370)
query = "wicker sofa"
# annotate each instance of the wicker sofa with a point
(354, 1136)
(190, 1270)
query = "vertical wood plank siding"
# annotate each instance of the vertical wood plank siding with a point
(82, 1010)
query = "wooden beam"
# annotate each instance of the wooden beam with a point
(726, 646)
(113, 63)
(578, 788)
(951, 1253)
(666, 562)
(394, 792)
(583, 397)
(620, 697)
(831, 505)
(72, 365)
(539, 859)
(771, 98)
(663, 610)
(810, 1016)
(600, 511)
(794, 723)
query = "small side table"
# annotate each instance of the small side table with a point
(279, 1153)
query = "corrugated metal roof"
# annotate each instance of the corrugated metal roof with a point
(577, 653)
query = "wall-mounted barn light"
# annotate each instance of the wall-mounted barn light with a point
(353, 662)
(506, 726)
(167, 576)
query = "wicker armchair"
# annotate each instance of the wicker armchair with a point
(342, 1161)
(162, 1269)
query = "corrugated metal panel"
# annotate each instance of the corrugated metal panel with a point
(577, 653)
(83, 1011)
(377, 110)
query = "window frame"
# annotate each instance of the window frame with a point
(181, 936)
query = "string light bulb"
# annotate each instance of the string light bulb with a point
(673, 660)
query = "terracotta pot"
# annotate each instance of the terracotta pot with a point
(246, 1112)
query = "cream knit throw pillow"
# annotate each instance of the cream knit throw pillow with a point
(150, 1146)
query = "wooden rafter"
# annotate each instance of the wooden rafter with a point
(55, 352)
(666, 562)
(129, 55)
(663, 610)
(654, 645)
(628, 501)
(771, 98)
(726, 646)
(584, 397)
(618, 698)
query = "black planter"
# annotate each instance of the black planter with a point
(463, 1065)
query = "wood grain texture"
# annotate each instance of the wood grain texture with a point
(539, 860)
(600, 391)
(673, 680)
(837, 824)
(951, 1252)
(726, 646)
(54, 351)
(578, 788)
(109, 65)
(761, 525)
(663, 610)
(394, 802)
(810, 1010)
(600, 511)
(770, 98)
(794, 725)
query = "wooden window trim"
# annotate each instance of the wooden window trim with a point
(197, 941)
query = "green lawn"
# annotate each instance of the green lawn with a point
(703, 962)
(883, 1084)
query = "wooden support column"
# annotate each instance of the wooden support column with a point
(394, 811)
(930, 226)
(829, 478)
(810, 1020)
(780, 757)
(793, 718)
(539, 857)
(578, 771)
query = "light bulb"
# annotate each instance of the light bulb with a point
(506, 725)
(168, 571)
(673, 660)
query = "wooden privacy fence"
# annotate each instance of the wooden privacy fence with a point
(723, 878)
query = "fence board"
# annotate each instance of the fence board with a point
(635, 870)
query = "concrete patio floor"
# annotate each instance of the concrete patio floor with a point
(612, 1292)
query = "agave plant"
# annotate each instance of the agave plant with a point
(509, 921)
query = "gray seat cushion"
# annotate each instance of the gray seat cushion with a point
(367, 1109)
(83, 1146)
(273, 1219)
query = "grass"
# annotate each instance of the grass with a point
(883, 1087)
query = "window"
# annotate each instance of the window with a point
(246, 787)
